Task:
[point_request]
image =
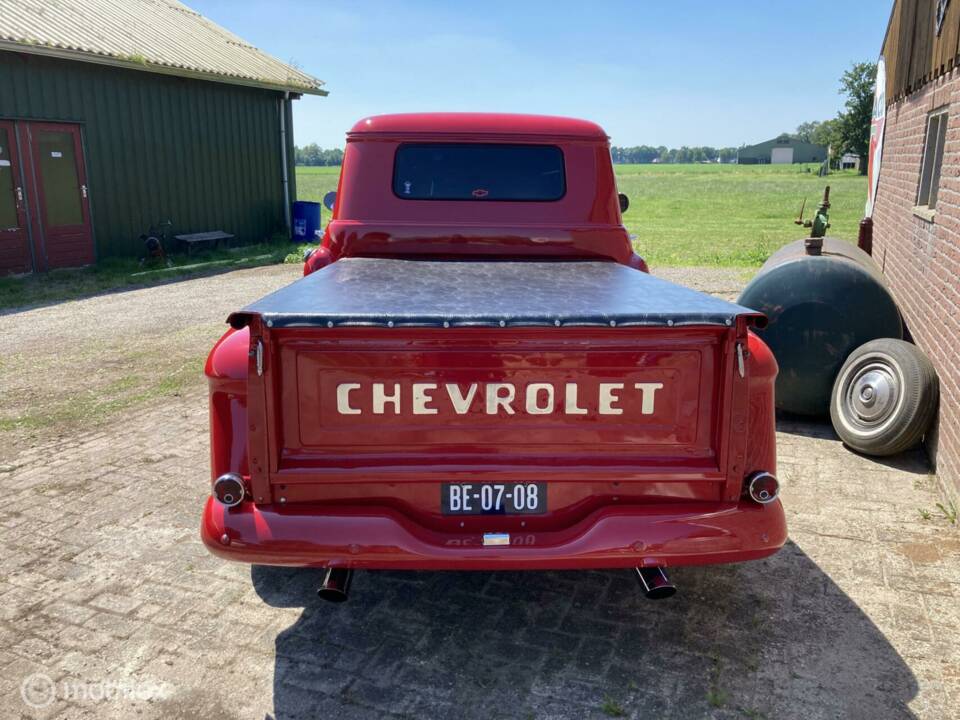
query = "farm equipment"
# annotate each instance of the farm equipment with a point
(836, 332)
(818, 226)
(154, 241)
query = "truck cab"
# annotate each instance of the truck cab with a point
(478, 372)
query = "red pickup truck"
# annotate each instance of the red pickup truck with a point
(478, 372)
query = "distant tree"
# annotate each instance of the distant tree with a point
(805, 131)
(857, 84)
(828, 134)
(313, 154)
(727, 154)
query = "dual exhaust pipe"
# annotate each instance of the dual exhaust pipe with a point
(336, 585)
(655, 583)
(653, 580)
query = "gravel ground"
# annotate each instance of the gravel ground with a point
(76, 365)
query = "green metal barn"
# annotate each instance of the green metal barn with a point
(118, 114)
(781, 150)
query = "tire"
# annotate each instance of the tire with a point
(884, 397)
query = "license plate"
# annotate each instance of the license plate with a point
(493, 498)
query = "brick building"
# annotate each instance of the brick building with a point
(917, 207)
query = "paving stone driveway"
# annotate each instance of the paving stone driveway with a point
(110, 606)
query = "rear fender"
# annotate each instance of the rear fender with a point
(226, 372)
(761, 420)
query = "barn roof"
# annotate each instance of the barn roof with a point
(780, 141)
(155, 35)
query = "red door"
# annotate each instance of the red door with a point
(15, 256)
(58, 198)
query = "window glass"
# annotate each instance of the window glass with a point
(61, 184)
(478, 171)
(932, 159)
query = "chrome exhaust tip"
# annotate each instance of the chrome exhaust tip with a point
(655, 583)
(229, 489)
(336, 585)
(763, 488)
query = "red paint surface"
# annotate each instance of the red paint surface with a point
(15, 256)
(364, 490)
(374, 537)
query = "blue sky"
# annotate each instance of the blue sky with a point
(701, 72)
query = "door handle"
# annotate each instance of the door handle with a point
(83, 190)
(19, 198)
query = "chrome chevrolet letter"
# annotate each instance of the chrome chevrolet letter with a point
(538, 398)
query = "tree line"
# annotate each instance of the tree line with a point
(661, 154)
(313, 154)
(849, 132)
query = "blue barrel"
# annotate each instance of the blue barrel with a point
(306, 221)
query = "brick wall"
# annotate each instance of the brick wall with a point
(920, 258)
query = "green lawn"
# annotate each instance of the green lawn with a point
(706, 214)
(730, 214)
(315, 182)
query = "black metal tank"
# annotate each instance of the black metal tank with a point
(820, 309)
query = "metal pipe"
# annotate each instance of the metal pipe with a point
(283, 161)
(655, 583)
(336, 585)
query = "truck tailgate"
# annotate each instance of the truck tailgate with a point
(386, 380)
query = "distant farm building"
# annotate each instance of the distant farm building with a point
(916, 236)
(118, 114)
(781, 150)
(849, 161)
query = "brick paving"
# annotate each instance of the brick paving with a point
(107, 593)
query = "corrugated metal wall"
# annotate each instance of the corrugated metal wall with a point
(205, 155)
(802, 152)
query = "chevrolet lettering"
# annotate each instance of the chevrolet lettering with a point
(491, 398)
(477, 372)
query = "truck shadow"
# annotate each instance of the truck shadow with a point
(911, 461)
(774, 638)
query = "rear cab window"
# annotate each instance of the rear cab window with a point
(479, 172)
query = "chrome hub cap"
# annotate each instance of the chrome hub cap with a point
(872, 394)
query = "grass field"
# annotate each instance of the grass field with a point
(732, 215)
(720, 215)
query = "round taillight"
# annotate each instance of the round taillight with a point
(229, 490)
(763, 488)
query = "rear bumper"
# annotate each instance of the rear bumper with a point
(381, 538)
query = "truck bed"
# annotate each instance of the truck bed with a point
(382, 292)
